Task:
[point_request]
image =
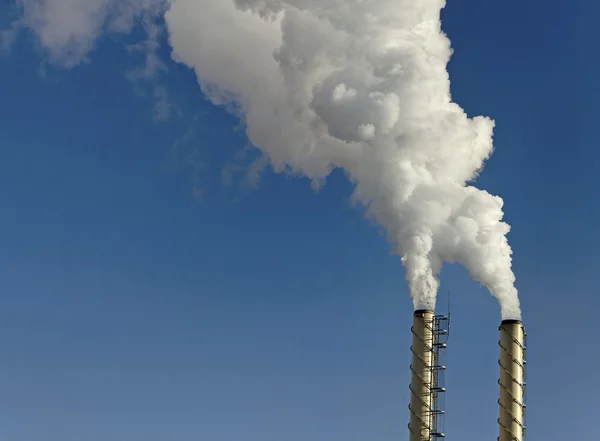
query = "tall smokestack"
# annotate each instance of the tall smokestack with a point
(421, 376)
(512, 385)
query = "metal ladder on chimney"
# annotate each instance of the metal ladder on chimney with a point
(441, 333)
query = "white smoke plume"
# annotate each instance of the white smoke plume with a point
(360, 85)
(68, 29)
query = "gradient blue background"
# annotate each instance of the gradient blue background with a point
(132, 310)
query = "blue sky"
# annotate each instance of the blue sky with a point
(143, 298)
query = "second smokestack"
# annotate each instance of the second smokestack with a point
(512, 384)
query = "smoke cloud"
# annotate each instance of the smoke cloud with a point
(359, 85)
(68, 29)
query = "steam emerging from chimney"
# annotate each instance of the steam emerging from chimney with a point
(361, 85)
(321, 84)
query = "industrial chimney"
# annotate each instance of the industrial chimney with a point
(430, 333)
(512, 384)
(421, 376)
